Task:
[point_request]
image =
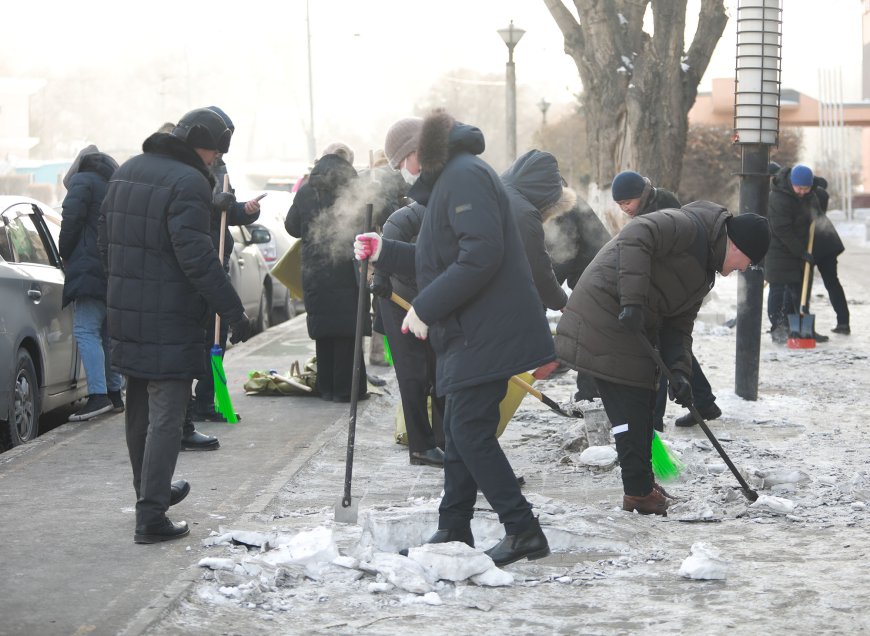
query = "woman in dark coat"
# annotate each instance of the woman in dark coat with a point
(325, 216)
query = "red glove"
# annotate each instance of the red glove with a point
(367, 246)
(544, 371)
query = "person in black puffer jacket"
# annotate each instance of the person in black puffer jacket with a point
(164, 280)
(325, 214)
(85, 280)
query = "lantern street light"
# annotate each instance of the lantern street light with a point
(511, 36)
(544, 105)
(756, 128)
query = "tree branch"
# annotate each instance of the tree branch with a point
(568, 25)
(712, 19)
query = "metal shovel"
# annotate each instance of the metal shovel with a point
(347, 507)
(802, 326)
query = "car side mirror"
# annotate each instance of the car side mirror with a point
(260, 235)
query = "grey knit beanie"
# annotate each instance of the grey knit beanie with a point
(402, 139)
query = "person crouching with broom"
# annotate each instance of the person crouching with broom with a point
(649, 283)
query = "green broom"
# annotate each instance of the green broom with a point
(388, 355)
(222, 402)
(665, 464)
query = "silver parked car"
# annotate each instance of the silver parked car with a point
(40, 367)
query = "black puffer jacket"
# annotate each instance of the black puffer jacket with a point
(790, 217)
(84, 276)
(404, 225)
(164, 272)
(663, 261)
(476, 293)
(533, 183)
(326, 215)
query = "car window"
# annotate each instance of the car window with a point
(26, 241)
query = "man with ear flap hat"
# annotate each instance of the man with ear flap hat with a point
(650, 280)
(164, 279)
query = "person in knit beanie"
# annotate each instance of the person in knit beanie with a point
(400, 146)
(635, 194)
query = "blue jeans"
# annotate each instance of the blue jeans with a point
(89, 329)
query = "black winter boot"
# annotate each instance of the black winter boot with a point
(529, 544)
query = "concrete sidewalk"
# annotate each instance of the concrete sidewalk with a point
(69, 564)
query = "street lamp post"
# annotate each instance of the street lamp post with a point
(511, 36)
(312, 150)
(756, 128)
(544, 105)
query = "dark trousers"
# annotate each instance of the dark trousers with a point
(335, 368)
(204, 389)
(414, 363)
(153, 419)
(474, 459)
(782, 299)
(828, 270)
(630, 411)
(586, 389)
(702, 392)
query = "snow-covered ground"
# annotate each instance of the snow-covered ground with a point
(793, 561)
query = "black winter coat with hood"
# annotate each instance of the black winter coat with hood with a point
(84, 276)
(664, 261)
(326, 215)
(790, 217)
(476, 293)
(164, 272)
(533, 184)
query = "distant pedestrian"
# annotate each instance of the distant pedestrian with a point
(323, 211)
(650, 281)
(164, 280)
(827, 246)
(85, 280)
(478, 304)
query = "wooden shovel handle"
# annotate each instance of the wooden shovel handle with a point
(807, 269)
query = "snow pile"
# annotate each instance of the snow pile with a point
(457, 561)
(599, 456)
(704, 563)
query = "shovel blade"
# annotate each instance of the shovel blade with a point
(346, 513)
(801, 326)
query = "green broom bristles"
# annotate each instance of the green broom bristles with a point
(665, 464)
(222, 402)
(388, 355)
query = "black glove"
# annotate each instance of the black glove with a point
(680, 390)
(381, 286)
(631, 317)
(241, 329)
(223, 201)
(808, 258)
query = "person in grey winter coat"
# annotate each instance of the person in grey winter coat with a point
(164, 279)
(85, 279)
(533, 184)
(791, 208)
(649, 282)
(321, 210)
(478, 305)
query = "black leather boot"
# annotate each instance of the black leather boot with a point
(446, 535)
(165, 531)
(178, 491)
(529, 544)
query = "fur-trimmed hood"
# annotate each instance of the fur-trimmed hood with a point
(566, 202)
(441, 138)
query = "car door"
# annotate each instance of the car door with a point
(31, 296)
(247, 270)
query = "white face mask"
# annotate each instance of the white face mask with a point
(409, 178)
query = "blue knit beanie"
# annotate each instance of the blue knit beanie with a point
(801, 175)
(627, 185)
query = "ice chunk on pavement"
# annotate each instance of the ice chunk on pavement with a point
(773, 504)
(493, 577)
(432, 598)
(601, 456)
(245, 537)
(774, 477)
(305, 548)
(704, 563)
(401, 571)
(454, 561)
(215, 563)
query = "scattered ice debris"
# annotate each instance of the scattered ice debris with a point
(704, 563)
(773, 504)
(402, 572)
(600, 456)
(215, 563)
(493, 577)
(241, 537)
(769, 479)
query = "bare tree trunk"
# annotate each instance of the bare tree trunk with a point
(638, 89)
